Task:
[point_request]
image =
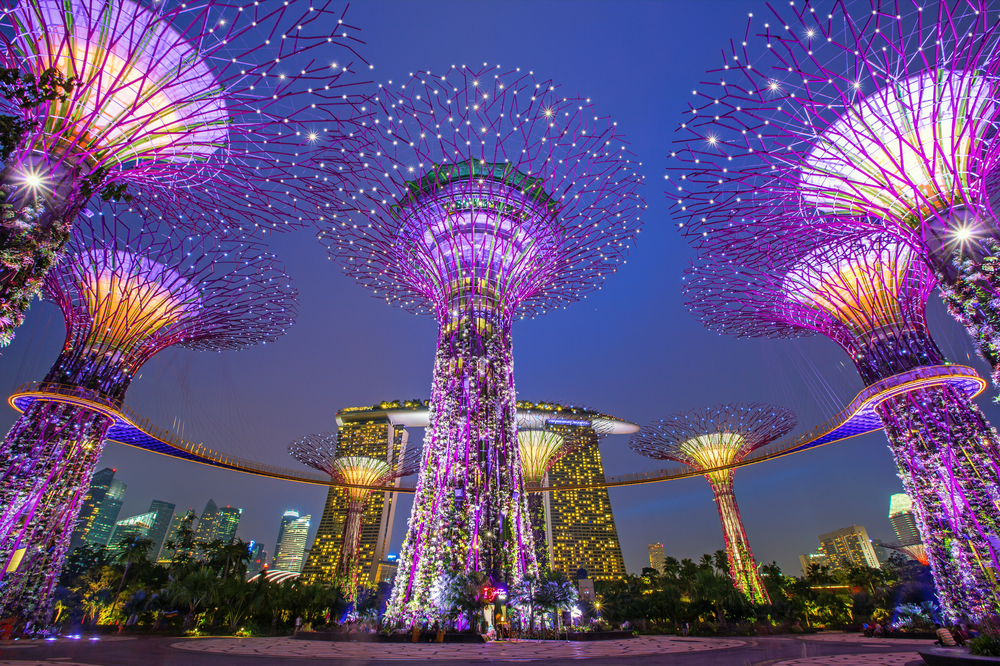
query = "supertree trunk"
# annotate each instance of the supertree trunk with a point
(536, 516)
(347, 563)
(947, 458)
(742, 567)
(50, 455)
(469, 512)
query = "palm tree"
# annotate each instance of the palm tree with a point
(196, 590)
(131, 550)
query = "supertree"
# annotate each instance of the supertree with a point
(869, 294)
(362, 475)
(125, 296)
(544, 437)
(488, 196)
(212, 116)
(873, 116)
(710, 440)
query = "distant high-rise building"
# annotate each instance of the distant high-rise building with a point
(903, 521)
(286, 520)
(100, 482)
(293, 545)
(258, 558)
(167, 553)
(136, 527)
(360, 432)
(158, 532)
(580, 525)
(849, 545)
(657, 558)
(227, 521)
(206, 524)
(104, 520)
(386, 571)
(812, 560)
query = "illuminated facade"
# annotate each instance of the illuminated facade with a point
(903, 521)
(292, 548)
(358, 434)
(657, 558)
(850, 545)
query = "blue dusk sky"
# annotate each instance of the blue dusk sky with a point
(631, 349)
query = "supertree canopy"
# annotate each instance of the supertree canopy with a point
(488, 196)
(859, 116)
(362, 475)
(124, 297)
(869, 294)
(212, 116)
(710, 440)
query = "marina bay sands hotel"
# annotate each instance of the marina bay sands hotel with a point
(579, 525)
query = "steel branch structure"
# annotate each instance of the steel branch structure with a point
(712, 437)
(869, 295)
(124, 297)
(360, 474)
(873, 116)
(489, 196)
(216, 117)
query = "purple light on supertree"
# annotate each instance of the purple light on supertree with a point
(363, 475)
(488, 196)
(717, 437)
(213, 117)
(868, 294)
(859, 116)
(125, 297)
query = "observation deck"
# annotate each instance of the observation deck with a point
(857, 418)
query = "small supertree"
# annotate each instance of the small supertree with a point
(544, 437)
(362, 475)
(488, 196)
(869, 295)
(859, 116)
(213, 116)
(125, 297)
(711, 440)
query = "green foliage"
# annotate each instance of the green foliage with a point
(985, 646)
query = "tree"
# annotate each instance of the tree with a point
(131, 550)
(195, 591)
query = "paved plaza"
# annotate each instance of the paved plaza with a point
(832, 649)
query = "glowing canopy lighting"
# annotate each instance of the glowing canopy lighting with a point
(538, 450)
(361, 471)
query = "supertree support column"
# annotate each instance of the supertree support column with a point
(489, 196)
(361, 475)
(869, 294)
(124, 296)
(212, 116)
(859, 116)
(710, 440)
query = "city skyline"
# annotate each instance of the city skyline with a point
(662, 358)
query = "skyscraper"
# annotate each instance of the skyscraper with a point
(100, 482)
(366, 431)
(206, 524)
(903, 521)
(167, 553)
(293, 544)
(286, 520)
(258, 558)
(161, 525)
(580, 525)
(657, 558)
(849, 545)
(227, 521)
(104, 520)
(136, 527)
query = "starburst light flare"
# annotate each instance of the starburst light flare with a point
(869, 294)
(490, 195)
(125, 295)
(362, 475)
(211, 116)
(711, 438)
(859, 116)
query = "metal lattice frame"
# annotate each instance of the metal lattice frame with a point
(858, 116)
(869, 294)
(714, 437)
(488, 196)
(217, 117)
(124, 296)
(359, 474)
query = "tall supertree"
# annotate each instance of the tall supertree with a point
(362, 475)
(544, 437)
(212, 116)
(710, 440)
(125, 297)
(869, 294)
(873, 116)
(489, 196)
